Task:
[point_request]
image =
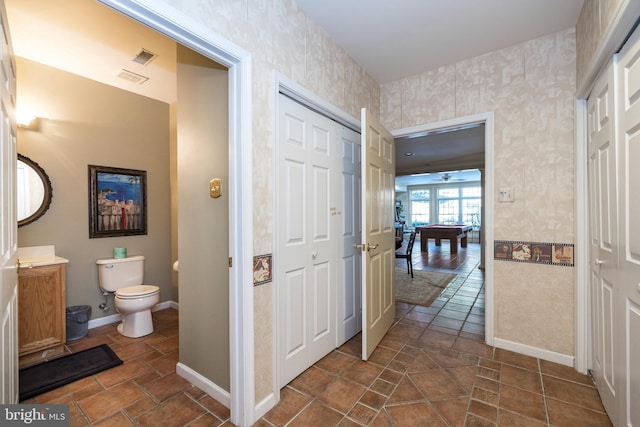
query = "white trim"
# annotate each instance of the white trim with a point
(487, 119)
(266, 404)
(176, 25)
(312, 101)
(204, 384)
(106, 320)
(537, 352)
(115, 318)
(581, 249)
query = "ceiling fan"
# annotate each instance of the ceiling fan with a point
(446, 177)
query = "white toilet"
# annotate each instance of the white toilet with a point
(133, 300)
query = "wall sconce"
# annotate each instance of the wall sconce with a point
(26, 119)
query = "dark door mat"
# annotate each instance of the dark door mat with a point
(50, 375)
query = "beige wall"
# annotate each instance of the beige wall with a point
(203, 222)
(595, 19)
(84, 122)
(530, 89)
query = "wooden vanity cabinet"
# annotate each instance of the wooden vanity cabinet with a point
(41, 313)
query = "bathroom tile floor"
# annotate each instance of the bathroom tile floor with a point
(432, 368)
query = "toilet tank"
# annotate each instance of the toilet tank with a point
(117, 273)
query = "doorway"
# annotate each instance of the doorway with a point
(240, 203)
(482, 160)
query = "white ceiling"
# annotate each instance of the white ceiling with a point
(393, 39)
(390, 39)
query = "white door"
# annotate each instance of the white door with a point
(378, 257)
(349, 300)
(306, 256)
(8, 222)
(628, 69)
(603, 235)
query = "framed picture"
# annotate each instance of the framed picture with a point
(117, 202)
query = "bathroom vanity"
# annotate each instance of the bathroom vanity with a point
(41, 304)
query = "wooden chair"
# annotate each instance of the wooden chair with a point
(407, 254)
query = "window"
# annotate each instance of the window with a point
(450, 204)
(471, 206)
(420, 206)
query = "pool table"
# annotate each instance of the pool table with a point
(441, 231)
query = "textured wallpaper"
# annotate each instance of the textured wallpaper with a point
(280, 37)
(530, 88)
(595, 18)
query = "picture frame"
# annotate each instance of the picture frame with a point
(117, 201)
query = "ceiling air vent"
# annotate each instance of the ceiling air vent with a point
(132, 77)
(144, 57)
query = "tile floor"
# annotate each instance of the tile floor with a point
(432, 368)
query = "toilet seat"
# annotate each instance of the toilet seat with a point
(138, 291)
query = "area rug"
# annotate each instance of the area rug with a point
(423, 288)
(38, 379)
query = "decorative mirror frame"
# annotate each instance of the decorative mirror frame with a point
(48, 191)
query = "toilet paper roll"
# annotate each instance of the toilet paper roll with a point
(119, 252)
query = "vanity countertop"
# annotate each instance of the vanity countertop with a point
(37, 256)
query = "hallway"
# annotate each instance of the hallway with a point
(432, 368)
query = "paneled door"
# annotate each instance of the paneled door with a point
(349, 288)
(603, 236)
(628, 136)
(8, 222)
(378, 232)
(307, 238)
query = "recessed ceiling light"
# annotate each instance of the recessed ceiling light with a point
(408, 154)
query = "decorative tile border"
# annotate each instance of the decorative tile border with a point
(261, 269)
(534, 252)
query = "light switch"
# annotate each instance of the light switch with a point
(506, 195)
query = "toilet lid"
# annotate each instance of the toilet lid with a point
(137, 291)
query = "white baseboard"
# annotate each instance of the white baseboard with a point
(264, 406)
(551, 356)
(115, 318)
(204, 384)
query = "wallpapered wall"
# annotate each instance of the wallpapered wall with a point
(530, 88)
(280, 37)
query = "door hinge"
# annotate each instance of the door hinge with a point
(230, 262)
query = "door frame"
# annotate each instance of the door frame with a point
(487, 221)
(613, 38)
(286, 86)
(194, 35)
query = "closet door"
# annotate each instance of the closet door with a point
(306, 257)
(628, 125)
(603, 237)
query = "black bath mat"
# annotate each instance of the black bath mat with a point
(47, 376)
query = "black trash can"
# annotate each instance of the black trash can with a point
(77, 321)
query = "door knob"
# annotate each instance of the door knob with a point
(370, 246)
(599, 261)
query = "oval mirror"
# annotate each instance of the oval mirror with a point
(34, 191)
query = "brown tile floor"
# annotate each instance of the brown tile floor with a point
(432, 368)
